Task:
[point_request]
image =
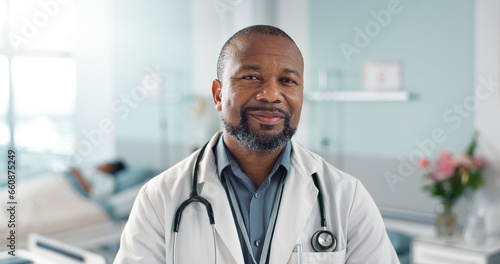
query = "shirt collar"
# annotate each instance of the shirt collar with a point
(225, 159)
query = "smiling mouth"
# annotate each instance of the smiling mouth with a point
(267, 117)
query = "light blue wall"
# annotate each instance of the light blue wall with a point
(150, 35)
(434, 42)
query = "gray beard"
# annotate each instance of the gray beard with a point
(255, 140)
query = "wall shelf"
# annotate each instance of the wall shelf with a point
(359, 96)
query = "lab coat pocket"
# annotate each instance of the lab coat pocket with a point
(335, 257)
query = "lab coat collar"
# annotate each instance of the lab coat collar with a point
(306, 163)
(299, 195)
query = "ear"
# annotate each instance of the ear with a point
(217, 94)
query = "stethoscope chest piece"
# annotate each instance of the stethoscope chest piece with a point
(323, 241)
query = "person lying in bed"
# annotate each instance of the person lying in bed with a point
(98, 182)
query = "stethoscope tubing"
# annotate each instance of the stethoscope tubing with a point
(321, 201)
(194, 197)
(241, 224)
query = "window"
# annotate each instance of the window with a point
(44, 103)
(3, 22)
(4, 102)
(41, 25)
(37, 81)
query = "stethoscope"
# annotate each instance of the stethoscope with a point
(321, 241)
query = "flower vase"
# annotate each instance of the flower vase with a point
(475, 228)
(446, 222)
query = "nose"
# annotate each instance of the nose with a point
(270, 92)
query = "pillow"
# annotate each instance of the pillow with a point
(119, 205)
(130, 177)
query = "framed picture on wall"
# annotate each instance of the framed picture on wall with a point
(382, 76)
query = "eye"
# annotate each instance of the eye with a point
(249, 77)
(288, 80)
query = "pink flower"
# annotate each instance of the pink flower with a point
(445, 167)
(423, 163)
(479, 162)
(464, 160)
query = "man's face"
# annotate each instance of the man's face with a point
(106, 167)
(261, 91)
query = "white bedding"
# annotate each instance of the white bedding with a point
(49, 204)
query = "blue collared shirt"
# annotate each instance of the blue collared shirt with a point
(255, 204)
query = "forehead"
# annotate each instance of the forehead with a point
(254, 48)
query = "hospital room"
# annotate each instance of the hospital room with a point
(370, 130)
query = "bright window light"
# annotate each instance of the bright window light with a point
(3, 22)
(4, 14)
(42, 25)
(4, 101)
(44, 94)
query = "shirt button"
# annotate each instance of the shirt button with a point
(256, 195)
(257, 243)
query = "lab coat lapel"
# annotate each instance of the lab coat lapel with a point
(299, 196)
(211, 189)
(297, 203)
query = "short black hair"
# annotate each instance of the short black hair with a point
(118, 166)
(255, 29)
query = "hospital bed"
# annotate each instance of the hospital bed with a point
(54, 206)
(44, 250)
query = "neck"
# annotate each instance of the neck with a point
(255, 164)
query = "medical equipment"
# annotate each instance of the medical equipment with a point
(194, 197)
(45, 250)
(321, 241)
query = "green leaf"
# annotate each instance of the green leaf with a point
(472, 146)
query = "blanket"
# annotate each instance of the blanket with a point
(48, 204)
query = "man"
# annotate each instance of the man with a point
(99, 182)
(259, 183)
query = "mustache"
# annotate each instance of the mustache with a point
(245, 110)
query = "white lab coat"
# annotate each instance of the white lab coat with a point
(350, 211)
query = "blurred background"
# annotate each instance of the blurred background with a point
(85, 82)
